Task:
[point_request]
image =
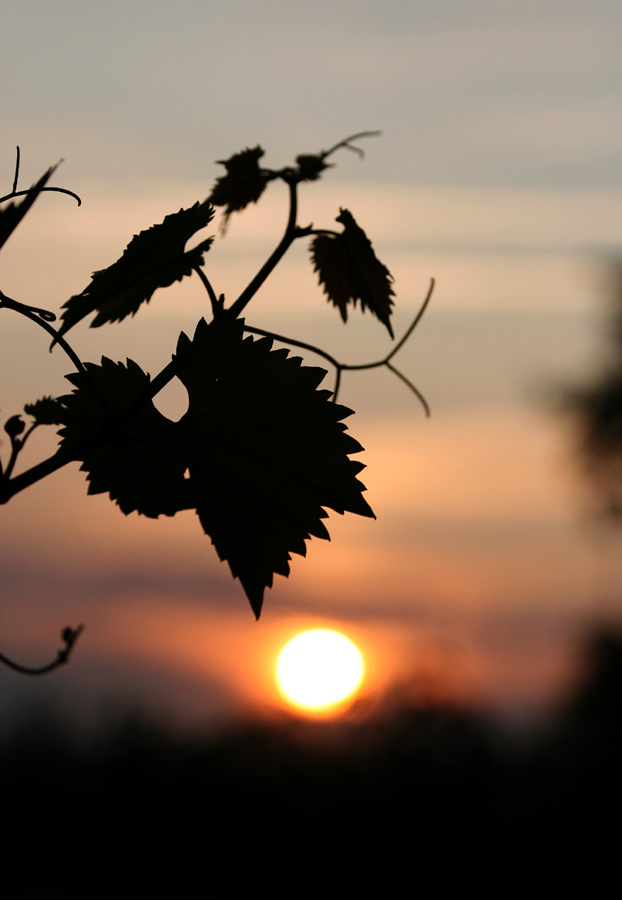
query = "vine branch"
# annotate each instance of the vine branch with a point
(346, 143)
(287, 240)
(42, 318)
(343, 367)
(217, 302)
(69, 636)
(16, 193)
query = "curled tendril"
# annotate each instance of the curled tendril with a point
(346, 142)
(345, 367)
(68, 636)
(16, 193)
(43, 317)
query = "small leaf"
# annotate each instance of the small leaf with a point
(267, 451)
(153, 259)
(46, 411)
(349, 270)
(244, 182)
(139, 465)
(311, 165)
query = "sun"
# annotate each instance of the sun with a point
(318, 669)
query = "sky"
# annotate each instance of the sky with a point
(498, 172)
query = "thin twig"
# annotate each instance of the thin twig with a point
(68, 635)
(295, 343)
(217, 303)
(17, 445)
(343, 367)
(285, 243)
(346, 143)
(16, 193)
(315, 232)
(416, 321)
(409, 384)
(17, 158)
(27, 191)
(43, 317)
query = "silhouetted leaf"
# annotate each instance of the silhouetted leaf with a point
(12, 215)
(349, 270)
(140, 464)
(266, 451)
(153, 259)
(244, 182)
(46, 411)
(311, 165)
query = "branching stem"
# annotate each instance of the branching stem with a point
(287, 240)
(15, 179)
(47, 189)
(16, 193)
(343, 367)
(415, 322)
(17, 445)
(346, 143)
(42, 318)
(217, 302)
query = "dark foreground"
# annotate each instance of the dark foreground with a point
(428, 801)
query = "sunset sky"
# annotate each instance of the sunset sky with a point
(498, 173)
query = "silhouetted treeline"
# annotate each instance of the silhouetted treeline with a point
(596, 407)
(424, 798)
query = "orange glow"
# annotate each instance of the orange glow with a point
(319, 669)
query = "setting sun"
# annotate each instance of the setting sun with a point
(318, 669)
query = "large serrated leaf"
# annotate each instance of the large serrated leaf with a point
(350, 271)
(267, 451)
(153, 259)
(139, 464)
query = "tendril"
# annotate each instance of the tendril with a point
(347, 367)
(68, 635)
(16, 193)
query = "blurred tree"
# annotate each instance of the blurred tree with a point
(596, 409)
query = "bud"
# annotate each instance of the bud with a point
(14, 426)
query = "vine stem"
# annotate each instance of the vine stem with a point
(16, 448)
(287, 240)
(343, 367)
(68, 635)
(416, 321)
(217, 303)
(17, 161)
(41, 470)
(42, 318)
(46, 189)
(16, 193)
(346, 143)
